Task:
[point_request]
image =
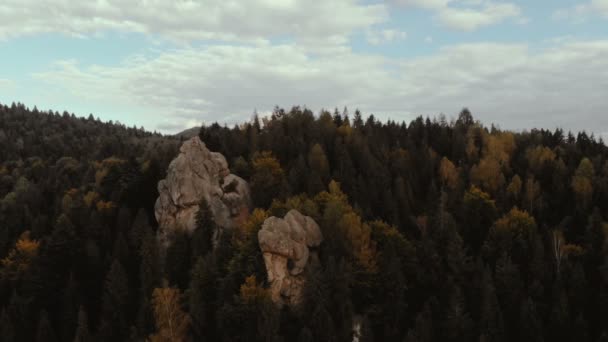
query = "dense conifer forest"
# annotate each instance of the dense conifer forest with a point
(434, 230)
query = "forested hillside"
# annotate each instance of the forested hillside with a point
(433, 231)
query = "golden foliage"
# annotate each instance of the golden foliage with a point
(145, 166)
(100, 175)
(472, 150)
(250, 226)
(317, 160)
(515, 221)
(538, 155)
(266, 161)
(105, 206)
(105, 167)
(488, 174)
(172, 323)
(251, 292)
(582, 182)
(532, 193)
(345, 131)
(499, 146)
(72, 192)
(573, 250)
(514, 188)
(301, 203)
(448, 173)
(359, 236)
(496, 156)
(476, 193)
(90, 198)
(20, 257)
(341, 215)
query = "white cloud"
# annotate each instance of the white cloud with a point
(185, 21)
(581, 11)
(377, 37)
(428, 39)
(472, 19)
(6, 84)
(467, 15)
(426, 4)
(563, 84)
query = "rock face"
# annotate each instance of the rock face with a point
(289, 246)
(198, 173)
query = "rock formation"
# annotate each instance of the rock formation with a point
(289, 246)
(196, 174)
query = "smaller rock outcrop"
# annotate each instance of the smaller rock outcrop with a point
(289, 246)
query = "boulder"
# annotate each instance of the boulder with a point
(289, 246)
(196, 174)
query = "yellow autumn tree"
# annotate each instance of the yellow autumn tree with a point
(515, 221)
(496, 156)
(172, 323)
(514, 188)
(358, 234)
(533, 193)
(251, 292)
(537, 156)
(251, 226)
(488, 175)
(268, 179)
(582, 182)
(341, 222)
(499, 146)
(91, 198)
(20, 257)
(513, 230)
(448, 173)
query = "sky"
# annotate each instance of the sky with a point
(174, 64)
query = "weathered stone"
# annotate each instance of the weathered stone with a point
(288, 245)
(196, 174)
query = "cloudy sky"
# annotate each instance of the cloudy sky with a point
(172, 64)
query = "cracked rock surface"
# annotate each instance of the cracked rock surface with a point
(289, 246)
(198, 173)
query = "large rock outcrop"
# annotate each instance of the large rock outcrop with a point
(198, 173)
(289, 246)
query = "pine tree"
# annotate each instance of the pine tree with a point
(423, 327)
(45, 331)
(202, 297)
(492, 326)
(149, 270)
(530, 323)
(305, 335)
(457, 321)
(202, 238)
(178, 261)
(7, 330)
(82, 330)
(114, 304)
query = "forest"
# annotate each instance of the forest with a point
(435, 230)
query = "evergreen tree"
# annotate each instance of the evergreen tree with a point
(82, 333)
(178, 261)
(114, 304)
(492, 326)
(7, 330)
(202, 297)
(45, 331)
